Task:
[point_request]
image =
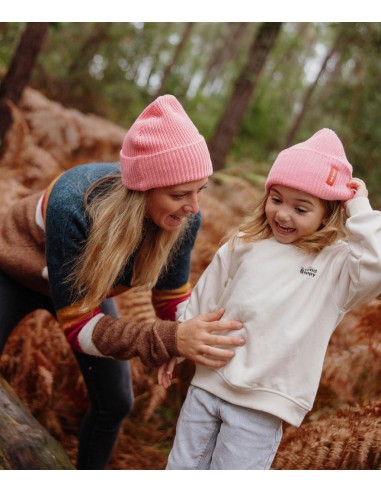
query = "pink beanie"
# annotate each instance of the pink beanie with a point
(317, 166)
(163, 148)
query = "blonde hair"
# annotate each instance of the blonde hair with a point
(256, 228)
(119, 229)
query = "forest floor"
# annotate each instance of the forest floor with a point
(343, 430)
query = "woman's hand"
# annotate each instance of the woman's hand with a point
(196, 340)
(359, 188)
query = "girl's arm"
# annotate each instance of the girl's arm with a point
(360, 279)
(359, 189)
(207, 295)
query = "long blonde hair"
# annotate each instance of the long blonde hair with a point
(256, 228)
(119, 228)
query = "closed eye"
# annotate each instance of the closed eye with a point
(183, 195)
(276, 200)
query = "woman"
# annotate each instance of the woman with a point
(99, 229)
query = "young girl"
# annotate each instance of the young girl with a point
(289, 274)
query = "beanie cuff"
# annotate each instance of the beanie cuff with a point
(178, 165)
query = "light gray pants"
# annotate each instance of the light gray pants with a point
(213, 434)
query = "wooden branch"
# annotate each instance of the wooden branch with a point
(24, 443)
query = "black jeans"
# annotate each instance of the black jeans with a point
(108, 381)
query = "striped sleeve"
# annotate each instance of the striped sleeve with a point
(166, 302)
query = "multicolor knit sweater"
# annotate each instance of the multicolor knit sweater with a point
(43, 233)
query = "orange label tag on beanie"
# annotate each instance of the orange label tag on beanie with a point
(332, 176)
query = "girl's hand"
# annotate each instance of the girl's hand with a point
(359, 188)
(165, 372)
(196, 340)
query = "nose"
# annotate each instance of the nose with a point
(283, 214)
(192, 206)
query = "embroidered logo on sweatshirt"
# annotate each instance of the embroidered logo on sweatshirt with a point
(310, 271)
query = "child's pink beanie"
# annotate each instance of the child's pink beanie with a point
(163, 148)
(317, 166)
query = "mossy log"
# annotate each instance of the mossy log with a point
(24, 443)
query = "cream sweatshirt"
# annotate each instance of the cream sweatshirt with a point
(290, 303)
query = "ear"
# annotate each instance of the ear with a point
(327, 214)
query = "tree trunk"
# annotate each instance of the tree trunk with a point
(307, 97)
(24, 443)
(156, 48)
(226, 49)
(19, 71)
(228, 127)
(176, 55)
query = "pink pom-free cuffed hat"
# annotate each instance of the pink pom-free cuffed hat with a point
(163, 148)
(317, 166)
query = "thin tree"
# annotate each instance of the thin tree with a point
(224, 52)
(228, 127)
(308, 95)
(19, 71)
(157, 47)
(176, 56)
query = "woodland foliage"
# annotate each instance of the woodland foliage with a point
(312, 75)
(343, 430)
(317, 74)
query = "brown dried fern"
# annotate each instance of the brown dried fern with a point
(349, 440)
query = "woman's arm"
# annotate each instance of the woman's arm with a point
(157, 342)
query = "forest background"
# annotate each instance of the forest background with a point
(252, 88)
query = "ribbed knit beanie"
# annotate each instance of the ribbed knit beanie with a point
(163, 148)
(317, 166)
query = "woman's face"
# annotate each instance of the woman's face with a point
(293, 214)
(170, 206)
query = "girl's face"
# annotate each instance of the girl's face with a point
(170, 206)
(293, 214)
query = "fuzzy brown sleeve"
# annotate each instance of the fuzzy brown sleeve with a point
(154, 342)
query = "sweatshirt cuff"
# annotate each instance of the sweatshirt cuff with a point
(358, 206)
(168, 336)
(85, 337)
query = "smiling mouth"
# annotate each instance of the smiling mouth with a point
(283, 229)
(178, 218)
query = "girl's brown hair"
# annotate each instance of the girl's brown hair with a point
(256, 228)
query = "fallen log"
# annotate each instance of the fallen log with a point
(24, 443)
